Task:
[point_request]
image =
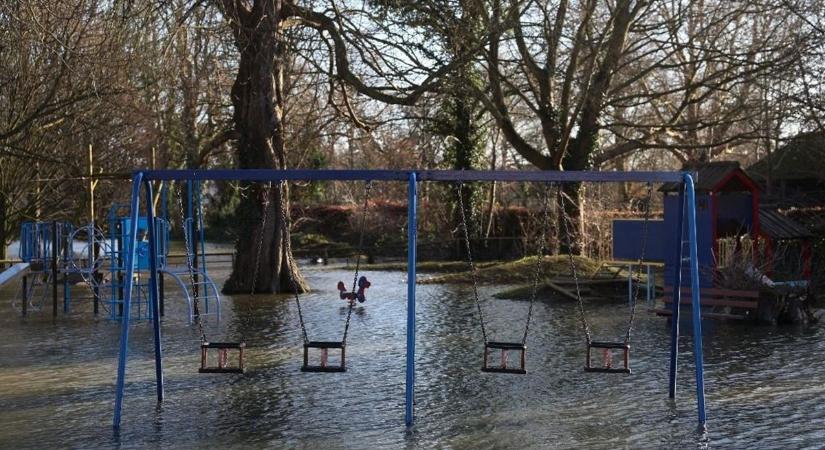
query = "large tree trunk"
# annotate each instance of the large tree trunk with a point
(3, 235)
(257, 97)
(577, 158)
(464, 151)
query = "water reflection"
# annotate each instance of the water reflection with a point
(764, 385)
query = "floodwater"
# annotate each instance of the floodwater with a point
(765, 385)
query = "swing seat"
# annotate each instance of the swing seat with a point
(223, 349)
(607, 366)
(503, 349)
(324, 365)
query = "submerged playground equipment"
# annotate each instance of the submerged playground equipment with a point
(142, 183)
(56, 255)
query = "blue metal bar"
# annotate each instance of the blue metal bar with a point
(421, 175)
(154, 291)
(201, 232)
(695, 302)
(66, 294)
(54, 271)
(195, 237)
(164, 194)
(411, 259)
(278, 175)
(547, 176)
(677, 294)
(163, 236)
(67, 240)
(190, 218)
(137, 180)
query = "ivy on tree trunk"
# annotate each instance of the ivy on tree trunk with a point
(257, 98)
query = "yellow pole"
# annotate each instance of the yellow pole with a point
(91, 186)
(156, 199)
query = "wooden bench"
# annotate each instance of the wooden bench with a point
(719, 304)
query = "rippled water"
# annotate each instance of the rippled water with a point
(765, 385)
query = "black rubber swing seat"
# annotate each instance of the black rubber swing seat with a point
(223, 349)
(324, 365)
(502, 366)
(607, 368)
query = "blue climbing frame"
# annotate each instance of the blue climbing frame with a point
(142, 182)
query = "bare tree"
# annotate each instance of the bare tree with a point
(259, 98)
(698, 90)
(64, 70)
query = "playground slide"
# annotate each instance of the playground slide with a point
(13, 272)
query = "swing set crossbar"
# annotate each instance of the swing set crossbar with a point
(404, 175)
(142, 191)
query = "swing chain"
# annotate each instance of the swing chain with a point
(564, 219)
(539, 261)
(190, 265)
(635, 295)
(468, 245)
(264, 217)
(285, 225)
(367, 190)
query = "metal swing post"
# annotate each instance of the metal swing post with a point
(677, 293)
(202, 243)
(53, 248)
(192, 229)
(65, 240)
(131, 235)
(411, 259)
(695, 303)
(154, 291)
(164, 215)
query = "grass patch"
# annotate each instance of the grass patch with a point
(520, 271)
(310, 239)
(427, 266)
(319, 245)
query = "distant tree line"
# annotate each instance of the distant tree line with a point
(493, 84)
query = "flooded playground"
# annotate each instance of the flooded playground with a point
(764, 384)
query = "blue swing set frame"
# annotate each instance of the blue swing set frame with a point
(142, 181)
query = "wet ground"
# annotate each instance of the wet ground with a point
(765, 385)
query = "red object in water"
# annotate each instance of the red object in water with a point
(360, 295)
